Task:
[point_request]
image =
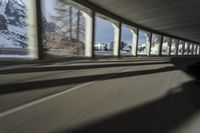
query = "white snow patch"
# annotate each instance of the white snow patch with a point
(20, 2)
(13, 56)
(17, 30)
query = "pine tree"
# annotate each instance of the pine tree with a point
(70, 21)
(78, 25)
(64, 18)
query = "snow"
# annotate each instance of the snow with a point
(155, 49)
(165, 45)
(16, 35)
(18, 30)
(142, 45)
(4, 2)
(102, 46)
(20, 2)
(142, 49)
(5, 42)
(14, 56)
(3, 6)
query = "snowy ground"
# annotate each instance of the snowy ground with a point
(62, 52)
(105, 53)
(125, 53)
(13, 56)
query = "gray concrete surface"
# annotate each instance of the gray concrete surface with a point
(101, 96)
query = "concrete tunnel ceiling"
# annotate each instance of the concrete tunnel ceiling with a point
(179, 18)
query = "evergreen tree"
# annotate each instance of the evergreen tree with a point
(64, 18)
(70, 20)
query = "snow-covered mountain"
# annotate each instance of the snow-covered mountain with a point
(12, 24)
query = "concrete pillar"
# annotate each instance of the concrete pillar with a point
(196, 48)
(134, 41)
(170, 46)
(32, 22)
(199, 50)
(192, 49)
(89, 32)
(193, 53)
(148, 43)
(183, 48)
(187, 47)
(117, 38)
(161, 44)
(177, 50)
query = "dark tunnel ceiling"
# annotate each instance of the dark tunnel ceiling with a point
(180, 18)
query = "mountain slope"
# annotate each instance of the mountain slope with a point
(13, 33)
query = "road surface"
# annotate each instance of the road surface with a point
(141, 95)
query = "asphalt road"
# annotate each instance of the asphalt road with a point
(154, 95)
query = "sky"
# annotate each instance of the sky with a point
(104, 29)
(104, 33)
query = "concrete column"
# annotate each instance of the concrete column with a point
(170, 46)
(117, 38)
(196, 48)
(183, 48)
(187, 48)
(89, 32)
(134, 41)
(148, 43)
(32, 22)
(177, 48)
(199, 50)
(192, 49)
(161, 44)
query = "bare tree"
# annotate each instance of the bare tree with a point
(64, 17)
(78, 25)
(70, 21)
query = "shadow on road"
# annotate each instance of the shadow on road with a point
(160, 116)
(34, 85)
(74, 67)
(180, 64)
